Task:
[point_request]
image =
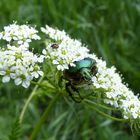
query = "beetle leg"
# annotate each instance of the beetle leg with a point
(70, 93)
(76, 90)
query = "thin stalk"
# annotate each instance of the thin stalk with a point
(28, 101)
(106, 115)
(100, 105)
(43, 118)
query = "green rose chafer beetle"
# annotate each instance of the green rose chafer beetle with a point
(81, 74)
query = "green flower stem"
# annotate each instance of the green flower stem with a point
(100, 105)
(28, 100)
(43, 118)
(106, 115)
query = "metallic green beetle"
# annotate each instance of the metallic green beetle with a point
(81, 74)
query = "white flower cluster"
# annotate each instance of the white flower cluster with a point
(117, 94)
(107, 80)
(16, 61)
(68, 51)
(20, 34)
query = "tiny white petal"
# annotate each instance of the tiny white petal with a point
(18, 81)
(5, 79)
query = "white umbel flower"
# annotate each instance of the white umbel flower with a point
(116, 93)
(68, 51)
(19, 64)
(107, 80)
(19, 34)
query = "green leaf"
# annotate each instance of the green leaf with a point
(16, 131)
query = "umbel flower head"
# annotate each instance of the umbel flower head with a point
(116, 93)
(107, 80)
(19, 34)
(16, 61)
(68, 51)
(19, 64)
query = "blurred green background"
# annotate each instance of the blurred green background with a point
(110, 28)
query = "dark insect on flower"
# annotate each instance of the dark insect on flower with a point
(55, 46)
(81, 74)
